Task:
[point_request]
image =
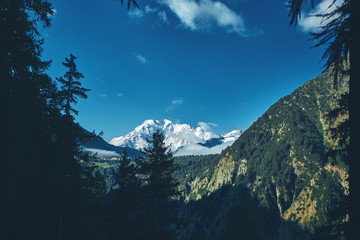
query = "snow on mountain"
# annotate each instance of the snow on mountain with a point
(177, 136)
(212, 146)
(232, 136)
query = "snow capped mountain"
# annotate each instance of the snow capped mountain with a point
(177, 136)
(233, 135)
(212, 146)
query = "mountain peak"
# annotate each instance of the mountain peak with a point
(149, 122)
(176, 135)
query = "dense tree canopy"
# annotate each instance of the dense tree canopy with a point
(47, 182)
(43, 183)
(160, 187)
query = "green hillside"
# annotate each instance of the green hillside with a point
(282, 162)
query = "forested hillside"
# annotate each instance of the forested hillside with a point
(286, 177)
(286, 161)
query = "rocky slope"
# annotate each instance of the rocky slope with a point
(282, 161)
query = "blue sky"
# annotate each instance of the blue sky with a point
(185, 60)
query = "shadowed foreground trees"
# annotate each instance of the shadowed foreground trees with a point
(45, 181)
(45, 190)
(160, 187)
(143, 204)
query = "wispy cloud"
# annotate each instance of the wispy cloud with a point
(102, 95)
(203, 14)
(148, 9)
(196, 149)
(310, 23)
(163, 17)
(207, 126)
(120, 94)
(136, 13)
(102, 153)
(175, 102)
(140, 58)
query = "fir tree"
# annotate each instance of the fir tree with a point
(160, 187)
(43, 187)
(121, 219)
(71, 86)
(126, 176)
(25, 115)
(335, 34)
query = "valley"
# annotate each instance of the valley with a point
(280, 163)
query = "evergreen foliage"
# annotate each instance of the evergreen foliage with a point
(160, 187)
(71, 86)
(191, 166)
(45, 191)
(157, 169)
(143, 196)
(120, 215)
(285, 153)
(335, 34)
(48, 188)
(126, 176)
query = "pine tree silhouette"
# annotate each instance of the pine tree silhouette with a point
(160, 187)
(71, 86)
(44, 190)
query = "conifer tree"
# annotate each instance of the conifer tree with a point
(336, 35)
(43, 190)
(160, 187)
(25, 116)
(121, 219)
(126, 176)
(71, 86)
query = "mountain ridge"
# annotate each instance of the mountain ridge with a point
(282, 161)
(178, 137)
(97, 145)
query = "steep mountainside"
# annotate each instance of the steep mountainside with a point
(282, 160)
(97, 144)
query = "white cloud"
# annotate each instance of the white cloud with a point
(177, 101)
(102, 153)
(174, 102)
(207, 126)
(203, 14)
(136, 13)
(148, 9)
(102, 95)
(196, 149)
(120, 94)
(169, 108)
(311, 23)
(163, 17)
(140, 58)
